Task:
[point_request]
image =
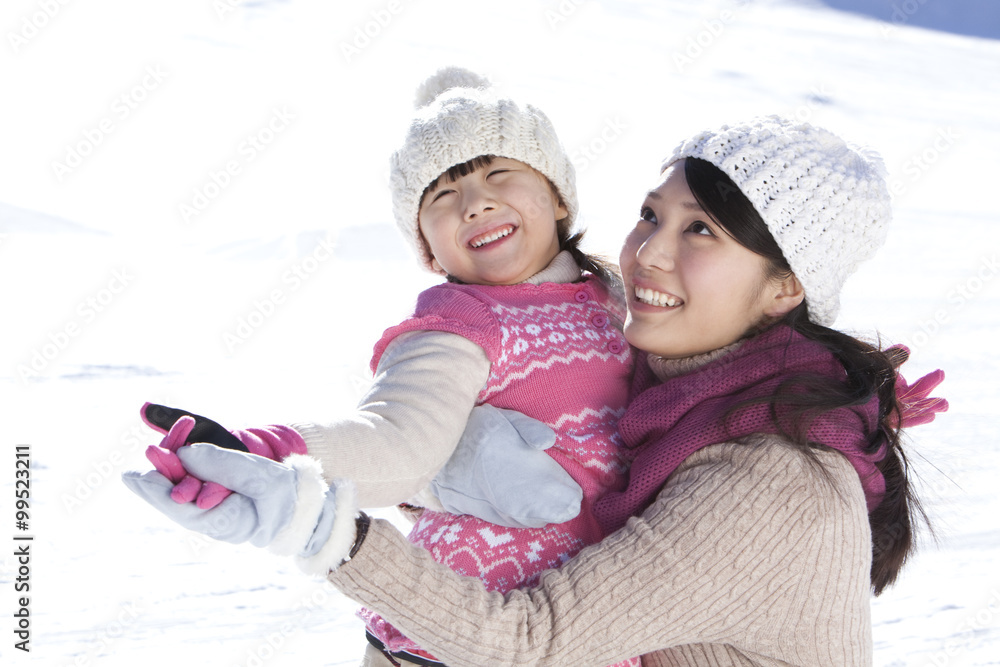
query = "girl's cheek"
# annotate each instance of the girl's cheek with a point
(630, 247)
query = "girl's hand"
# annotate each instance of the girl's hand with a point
(501, 473)
(186, 487)
(286, 507)
(183, 428)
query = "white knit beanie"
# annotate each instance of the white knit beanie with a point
(825, 202)
(460, 117)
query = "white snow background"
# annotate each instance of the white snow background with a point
(273, 122)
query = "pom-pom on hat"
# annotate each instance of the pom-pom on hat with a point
(460, 116)
(825, 202)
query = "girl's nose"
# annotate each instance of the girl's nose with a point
(477, 201)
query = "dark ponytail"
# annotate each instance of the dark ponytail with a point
(601, 267)
(871, 372)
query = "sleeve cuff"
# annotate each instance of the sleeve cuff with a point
(343, 535)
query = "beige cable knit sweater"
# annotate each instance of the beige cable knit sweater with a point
(751, 555)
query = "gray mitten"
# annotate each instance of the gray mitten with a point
(284, 506)
(501, 473)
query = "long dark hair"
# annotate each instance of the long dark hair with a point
(871, 372)
(601, 267)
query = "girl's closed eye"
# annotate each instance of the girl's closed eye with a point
(439, 194)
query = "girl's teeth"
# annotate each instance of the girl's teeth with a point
(654, 298)
(499, 234)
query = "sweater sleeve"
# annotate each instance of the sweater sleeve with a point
(410, 421)
(748, 548)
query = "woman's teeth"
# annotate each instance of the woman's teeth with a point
(480, 241)
(654, 298)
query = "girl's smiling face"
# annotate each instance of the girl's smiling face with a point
(690, 286)
(494, 226)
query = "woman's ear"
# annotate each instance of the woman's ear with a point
(786, 294)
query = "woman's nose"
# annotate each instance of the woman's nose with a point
(657, 251)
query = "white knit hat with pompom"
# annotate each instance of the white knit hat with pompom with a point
(825, 202)
(460, 116)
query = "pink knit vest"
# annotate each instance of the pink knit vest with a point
(557, 354)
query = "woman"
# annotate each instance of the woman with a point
(768, 490)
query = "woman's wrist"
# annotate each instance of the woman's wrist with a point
(361, 525)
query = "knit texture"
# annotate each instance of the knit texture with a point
(824, 201)
(409, 422)
(558, 355)
(670, 420)
(461, 117)
(750, 555)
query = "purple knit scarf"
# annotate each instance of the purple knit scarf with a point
(667, 422)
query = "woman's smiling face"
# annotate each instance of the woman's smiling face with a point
(690, 286)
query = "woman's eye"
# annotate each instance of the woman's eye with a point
(699, 227)
(647, 214)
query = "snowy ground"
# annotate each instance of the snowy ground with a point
(193, 211)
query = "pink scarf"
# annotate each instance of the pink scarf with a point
(667, 422)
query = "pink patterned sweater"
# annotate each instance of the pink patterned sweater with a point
(557, 354)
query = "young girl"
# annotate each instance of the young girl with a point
(485, 193)
(768, 490)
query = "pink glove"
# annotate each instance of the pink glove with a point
(182, 428)
(186, 487)
(916, 406)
